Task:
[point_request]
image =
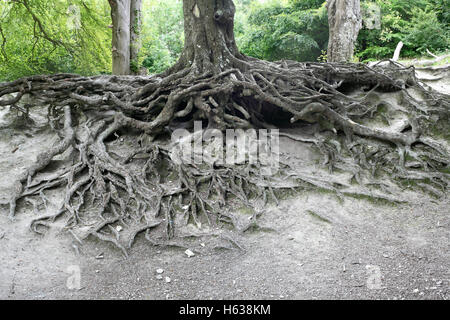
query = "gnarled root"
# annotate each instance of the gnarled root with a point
(115, 197)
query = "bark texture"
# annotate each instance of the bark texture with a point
(209, 36)
(135, 34)
(120, 15)
(345, 21)
(126, 21)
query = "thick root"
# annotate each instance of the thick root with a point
(147, 190)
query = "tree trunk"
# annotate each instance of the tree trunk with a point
(120, 15)
(209, 35)
(135, 31)
(345, 21)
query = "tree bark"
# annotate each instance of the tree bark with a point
(135, 32)
(121, 37)
(345, 21)
(209, 35)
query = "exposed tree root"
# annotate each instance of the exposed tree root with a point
(115, 197)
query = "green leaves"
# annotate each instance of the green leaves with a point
(420, 24)
(51, 36)
(297, 31)
(162, 33)
(48, 36)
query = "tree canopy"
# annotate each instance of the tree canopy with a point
(49, 36)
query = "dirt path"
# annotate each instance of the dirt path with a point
(303, 257)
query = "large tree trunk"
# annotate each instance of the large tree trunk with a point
(345, 21)
(135, 31)
(120, 15)
(209, 35)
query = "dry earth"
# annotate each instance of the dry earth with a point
(311, 246)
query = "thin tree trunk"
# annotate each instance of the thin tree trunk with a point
(345, 21)
(135, 33)
(121, 38)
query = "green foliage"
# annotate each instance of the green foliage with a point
(420, 24)
(162, 34)
(275, 30)
(272, 29)
(426, 32)
(43, 36)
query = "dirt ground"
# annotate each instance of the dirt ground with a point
(311, 246)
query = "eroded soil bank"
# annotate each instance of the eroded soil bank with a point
(311, 246)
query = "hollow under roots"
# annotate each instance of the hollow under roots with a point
(146, 190)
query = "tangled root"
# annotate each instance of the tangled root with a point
(146, 190)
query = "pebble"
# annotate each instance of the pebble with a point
(159, 270)
(416, 290)
(159, 277)
(168, 280)
(189, 253)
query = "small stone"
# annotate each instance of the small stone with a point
(159, 277)
(119, 228)
(416, 290)
(239, 291)
(168, 280)
(159, 270)
(202, 244)
(189, 253)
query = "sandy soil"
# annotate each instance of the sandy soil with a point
(311, 246)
